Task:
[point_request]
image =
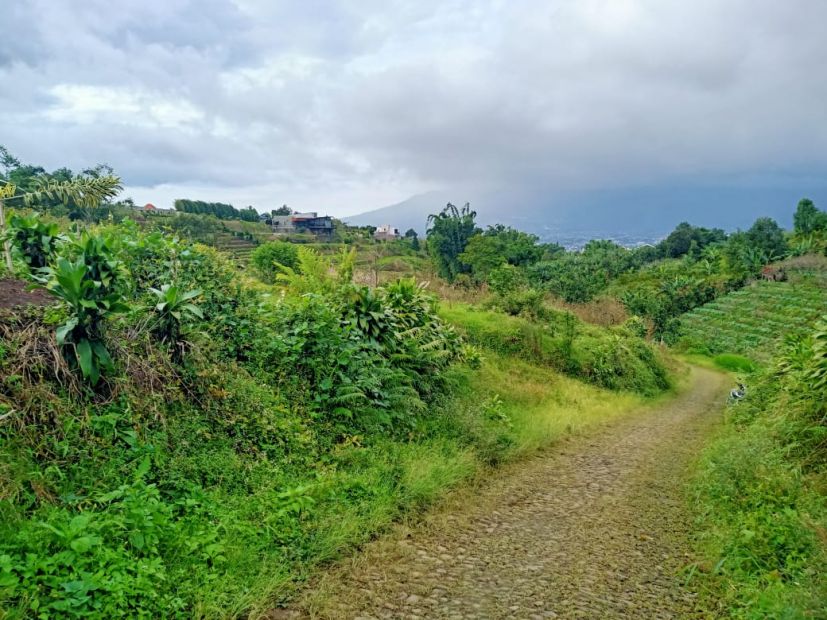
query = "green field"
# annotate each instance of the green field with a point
(751, 321)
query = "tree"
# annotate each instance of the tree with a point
(220, 210)
(688, 239)
(448, 234)
(767, 237)
(414, 239)
(482, 255)
(808, 218)
(282, 210)
(500, 245)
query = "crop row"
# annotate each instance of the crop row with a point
(752, 320)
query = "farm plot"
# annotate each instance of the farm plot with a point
(751, 321)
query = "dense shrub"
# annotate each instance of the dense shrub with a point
(181, 487)
(269, 259)
(35, 239)
(612, 360)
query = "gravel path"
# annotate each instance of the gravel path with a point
(593, 528)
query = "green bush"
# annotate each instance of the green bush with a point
(36, 240)
(269, 259)
(636, 326)
(616, 361)
(173, 308)
(90, 286)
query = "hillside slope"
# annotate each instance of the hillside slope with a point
(753, 320)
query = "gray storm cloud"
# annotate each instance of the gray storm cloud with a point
(330, 103)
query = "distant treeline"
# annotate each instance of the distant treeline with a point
(219, 209)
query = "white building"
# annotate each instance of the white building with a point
(386, 233)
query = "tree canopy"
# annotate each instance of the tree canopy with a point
(448, 233)
(220, 210)
(808, 218)
(686, 238)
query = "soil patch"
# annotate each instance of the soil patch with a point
(14, 293)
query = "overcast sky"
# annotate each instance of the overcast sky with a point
(348, 106)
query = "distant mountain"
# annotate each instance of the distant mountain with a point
(629, 215)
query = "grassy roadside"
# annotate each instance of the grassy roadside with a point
(759, 494)
(506, 410)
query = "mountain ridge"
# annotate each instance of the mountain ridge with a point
(630, 215)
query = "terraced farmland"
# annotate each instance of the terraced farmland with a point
(752, 320)
(238, 247)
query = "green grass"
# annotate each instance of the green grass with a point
(761, 527)
(233, 532)
(760, 494)
(608, 358)
(750, 322)
(734, 363)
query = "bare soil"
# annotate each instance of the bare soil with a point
(595, 527)
(13, 293)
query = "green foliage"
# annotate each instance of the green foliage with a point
(218, 209)
(172, 309)
(203, 228)
(373, 355)
(35, 239)
(636, 326)
(808, 218)
(90, 286)
(759, 493)
(767, 237)
(612, 360)
(270, 259)
(686, 238)
(413, 238)
(506, 279)
(84, 191)
(734, 363)
(448, 233)
(752, 320)
(105, 561)
(662, 292)
(580, 276)
(500, 245)
(526, 302)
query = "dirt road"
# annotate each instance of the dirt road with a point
(596, 527)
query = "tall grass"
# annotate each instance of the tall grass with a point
(611, 358)
(761, 494)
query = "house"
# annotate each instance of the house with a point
(321, 226)
(386, 233)
(151, 208)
